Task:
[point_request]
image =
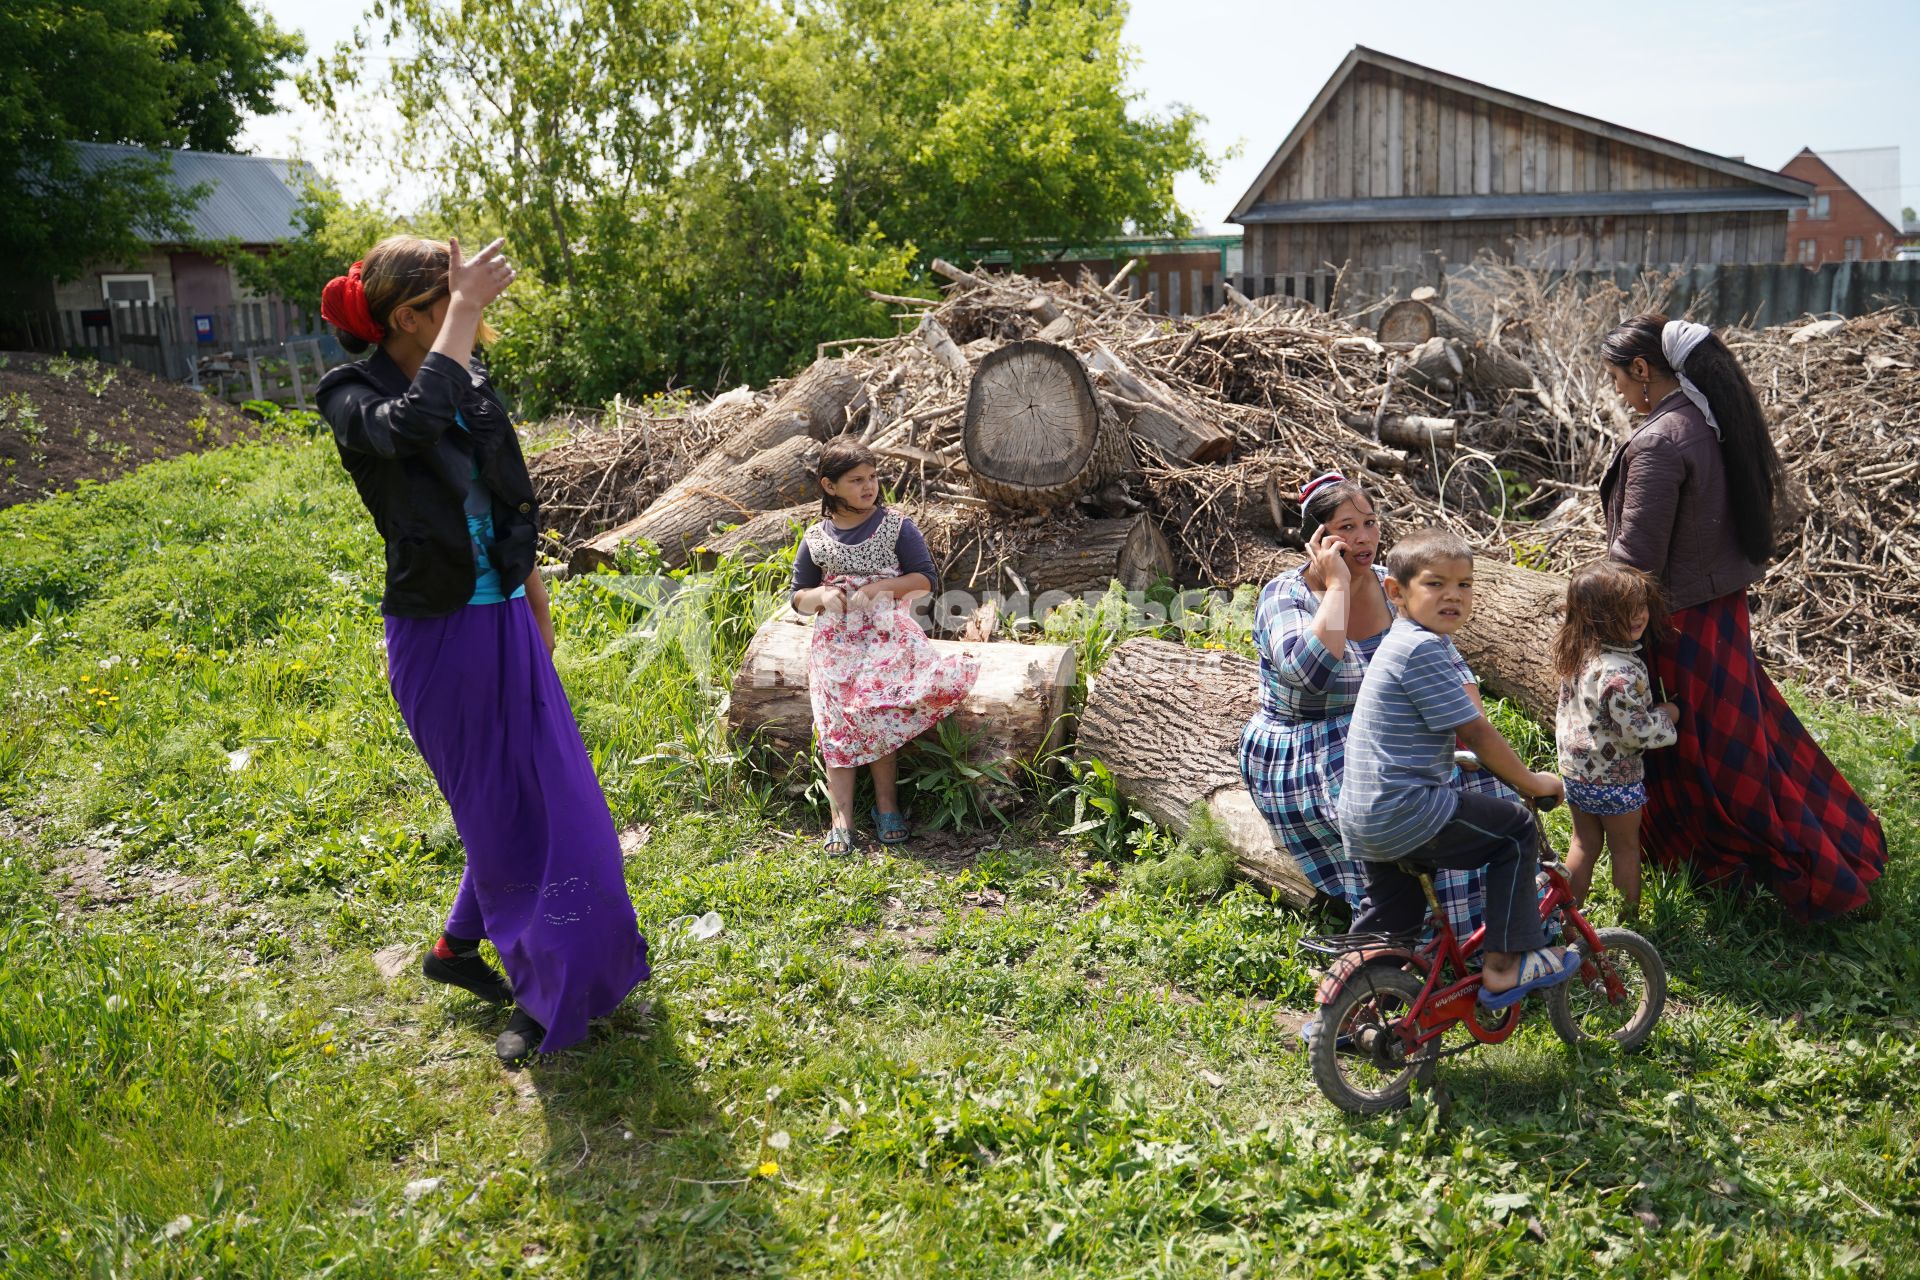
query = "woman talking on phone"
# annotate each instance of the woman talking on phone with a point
(470, 641)
(1316, 628)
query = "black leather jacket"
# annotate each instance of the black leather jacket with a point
(412, 465)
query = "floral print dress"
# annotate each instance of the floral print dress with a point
(874, 679)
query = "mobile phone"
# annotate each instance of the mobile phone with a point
(1315, 537)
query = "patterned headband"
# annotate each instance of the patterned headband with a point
(1316, 484)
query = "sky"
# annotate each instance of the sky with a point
(1759, 78)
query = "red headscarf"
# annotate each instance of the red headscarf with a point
(343, 304)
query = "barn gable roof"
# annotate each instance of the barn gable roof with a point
(250, 199)
(1747, 176)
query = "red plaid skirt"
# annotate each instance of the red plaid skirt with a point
(1747, 796)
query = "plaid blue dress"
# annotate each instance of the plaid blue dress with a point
(1293, 751)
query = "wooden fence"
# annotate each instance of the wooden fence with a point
(1754, 294)
(265, 350)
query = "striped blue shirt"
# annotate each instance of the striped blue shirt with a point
(1397, 791)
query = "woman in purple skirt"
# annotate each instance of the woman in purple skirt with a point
(470, 643)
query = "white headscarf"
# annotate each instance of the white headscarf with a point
(1677, 341)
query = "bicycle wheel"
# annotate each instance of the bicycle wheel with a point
(1580, 1009)
(1375, 1073)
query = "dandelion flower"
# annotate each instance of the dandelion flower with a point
(767, 1169)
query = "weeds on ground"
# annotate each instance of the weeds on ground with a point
(1013, 1061)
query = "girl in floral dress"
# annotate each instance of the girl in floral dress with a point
(1607, 719)
(875, 682)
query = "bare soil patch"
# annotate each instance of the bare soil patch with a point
(64, 420)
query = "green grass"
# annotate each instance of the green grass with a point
(1025, 1057)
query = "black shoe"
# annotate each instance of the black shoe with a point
(467, 971)
(520, 1040)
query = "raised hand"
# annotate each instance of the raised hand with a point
(1327, 557)
(478, 281)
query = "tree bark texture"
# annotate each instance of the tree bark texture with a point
(760, 538)
(1014, 713)
(1155, 414)
(1130, 549)
(1509, 639)
(681, 518)
(1166, 721)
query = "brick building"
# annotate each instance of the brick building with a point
(1838, 224)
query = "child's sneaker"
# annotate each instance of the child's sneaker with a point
(466, 970)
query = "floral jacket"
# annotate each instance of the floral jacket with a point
(1606, 719)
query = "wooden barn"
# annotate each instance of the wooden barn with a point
(1396, 165)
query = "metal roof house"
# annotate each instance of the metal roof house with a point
(250, 201)
(1398, 165)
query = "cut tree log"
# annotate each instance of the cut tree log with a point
(1149, 409)
(1088, 560)
(1435, 364)
(1166, 721)
(941, 343)
(825, 399)
(1407, 430)
(1488, 367)
(1014, 714)
(1406, 322)
(1516, 614)
(682, 518)
(1035, 435)
(759, 539)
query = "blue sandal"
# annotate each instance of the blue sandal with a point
(839, 842)
(1548, 967)
(891, 827)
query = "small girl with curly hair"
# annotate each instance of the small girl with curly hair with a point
(1607, 718)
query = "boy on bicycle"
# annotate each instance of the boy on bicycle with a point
(1396, 798)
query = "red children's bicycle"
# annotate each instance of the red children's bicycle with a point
(1389, 999)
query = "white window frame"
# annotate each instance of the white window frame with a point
(1822, 207)
(1809, 251)
(145, 277)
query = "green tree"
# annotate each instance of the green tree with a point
(705, 189)
(152, 73)
(332, 233)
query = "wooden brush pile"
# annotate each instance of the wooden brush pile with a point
(1051, 437)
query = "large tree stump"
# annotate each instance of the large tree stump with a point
(1166, 721)
(1014, 714)
(681, 518)
(1035, 435)
(1153, 413)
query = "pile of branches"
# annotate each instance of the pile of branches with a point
(1500, 429)
(1839, 609)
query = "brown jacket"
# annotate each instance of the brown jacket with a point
(1667, 508)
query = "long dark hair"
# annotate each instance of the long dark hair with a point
(1602, 598)
(1746, 447)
